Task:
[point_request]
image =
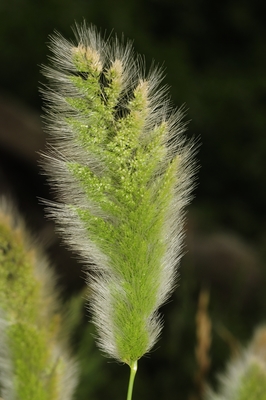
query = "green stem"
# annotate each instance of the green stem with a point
(133, 370)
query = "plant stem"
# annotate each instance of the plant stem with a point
(133, 370)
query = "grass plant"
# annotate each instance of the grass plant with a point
(123, 175)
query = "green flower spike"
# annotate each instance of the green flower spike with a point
(245, 376)
(123, 175)
(34, 361)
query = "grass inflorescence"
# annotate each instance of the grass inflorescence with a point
(123, 175)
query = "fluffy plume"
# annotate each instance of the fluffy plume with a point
(123, 176)
(34, 360)
(245, 376)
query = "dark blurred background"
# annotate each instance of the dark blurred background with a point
(214, 56)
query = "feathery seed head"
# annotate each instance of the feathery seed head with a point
(34, 362)
(123, 175)
(245, 376)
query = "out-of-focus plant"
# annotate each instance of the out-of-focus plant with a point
(245, 376)
(34, 358)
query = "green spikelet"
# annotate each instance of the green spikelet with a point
(34, 363)
(245, 377)
(123, 177)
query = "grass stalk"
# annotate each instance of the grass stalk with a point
(133, 371)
